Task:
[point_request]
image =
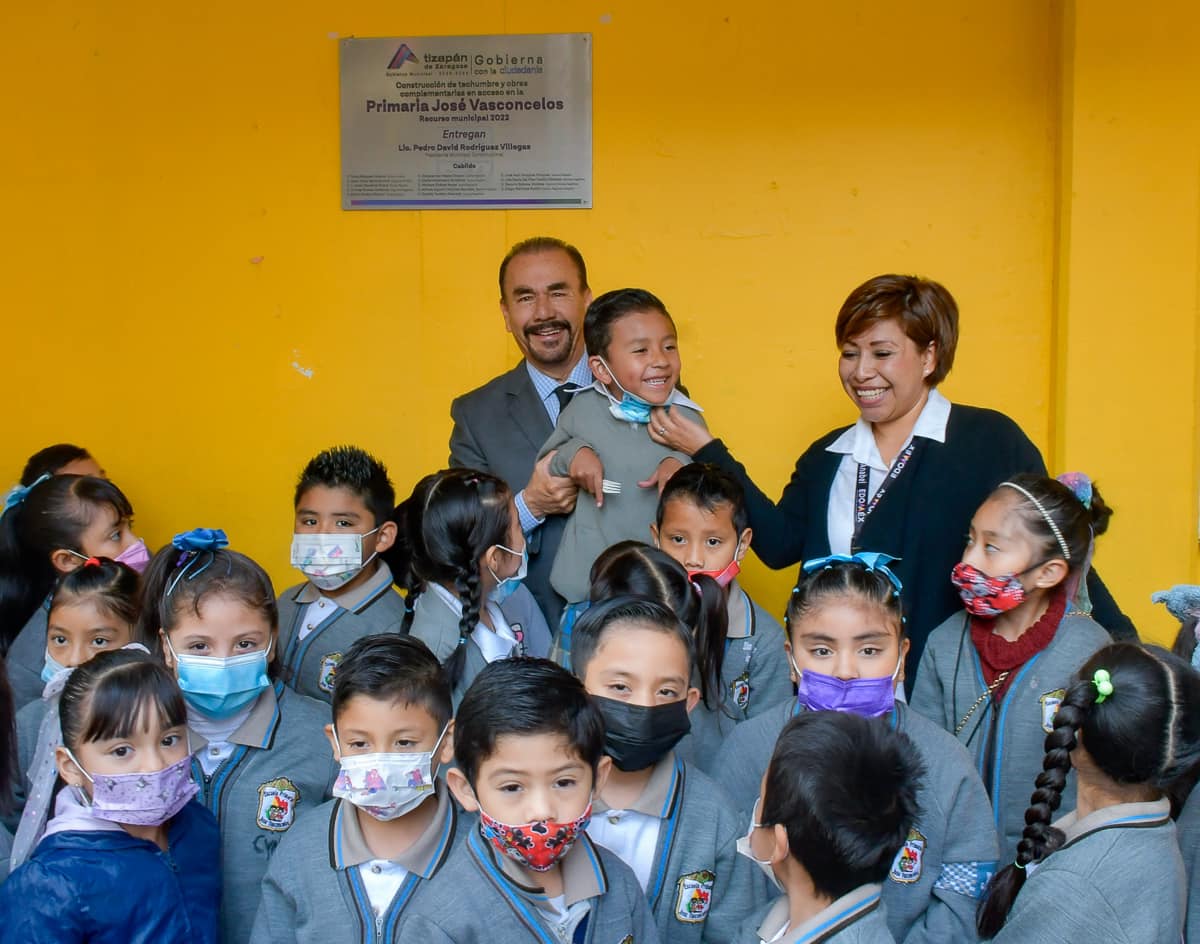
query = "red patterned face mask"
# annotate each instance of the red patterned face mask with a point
(987, 596)
(535, 845)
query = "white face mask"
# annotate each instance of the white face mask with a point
(330, 561)
(386, 785)
(743, 848)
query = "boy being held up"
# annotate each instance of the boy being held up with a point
(670, 823)
(351, 869)
(601, 435)
(529, 744)
(343, 502)
(834, 808)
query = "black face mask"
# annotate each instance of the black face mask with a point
(636, 736)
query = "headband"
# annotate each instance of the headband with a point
(1045, 515)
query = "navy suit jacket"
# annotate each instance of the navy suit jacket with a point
(499, 428)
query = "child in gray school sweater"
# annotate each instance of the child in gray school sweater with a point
(342, 503)
(529, 745)
(352, 868)
(838, 800)
(669, 822)
(601, 440)
(1110, 870)
(846, 642)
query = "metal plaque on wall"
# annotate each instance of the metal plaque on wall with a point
(467, 122)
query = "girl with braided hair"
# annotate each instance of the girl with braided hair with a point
(1128, 725)
(460, 553)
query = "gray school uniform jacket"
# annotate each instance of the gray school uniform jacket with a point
(26, 657)
(754, 678)
(1188, 827)
(481, 897)
(281, 769)
(313, 892)
(1008, 739)
(855, 918)
(308, 665)
(28, 725)
(700, 888)
(939, 874)
(1118, 878)
(629, 456)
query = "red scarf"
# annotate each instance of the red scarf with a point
(997, 654)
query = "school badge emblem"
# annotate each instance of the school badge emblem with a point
(739, 688)
(906, 868)
(1050, 702)
(329, 666)
(277, 801)
(627, 939)
(693, 896)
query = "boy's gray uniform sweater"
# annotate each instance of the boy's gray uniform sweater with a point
(629, 456)
(700, 888)
(479, 897)
(313, 893)
(855, 918)
(281, 769)
(938, 876)
(1189, 844)
(1118, 879)
(1007, 739)
(309, 663)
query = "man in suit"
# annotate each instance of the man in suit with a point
(500, 426)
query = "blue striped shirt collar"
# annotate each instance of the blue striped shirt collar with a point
(544, 384)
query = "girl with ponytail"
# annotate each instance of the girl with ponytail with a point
(631, 568)
(1128, 725)
(994, 674)
(460, 554)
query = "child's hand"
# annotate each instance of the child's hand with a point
(668, 467)
(587, 471)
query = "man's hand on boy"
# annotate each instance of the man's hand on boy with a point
(672, 429)
(549, 494)
(662, 474)
(587, 472)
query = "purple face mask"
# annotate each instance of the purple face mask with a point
(869, 697)
(141, 799)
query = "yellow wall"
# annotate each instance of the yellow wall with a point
(753, 162)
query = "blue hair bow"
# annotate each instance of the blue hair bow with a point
(191, 544)
(874, 561)
(18, 493)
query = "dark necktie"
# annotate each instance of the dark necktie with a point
(564, 392)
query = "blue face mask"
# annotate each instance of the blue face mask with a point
(631, 409)
(504, 588)
(220, 687)
(51, 667)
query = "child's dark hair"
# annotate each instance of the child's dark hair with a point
(524, 696)
(50, 460)
(1145, 731)
(609, 308)
(444, 528)
(709, 487)
(52, 515)
(844, 582)
(177, 582)
(631, 568)
(845, 789)
(393, 668)
(113, 695)
(1077, 523)
(638, 612)
(110, 585)
(355, 470)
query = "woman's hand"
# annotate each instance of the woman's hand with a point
(672, 429)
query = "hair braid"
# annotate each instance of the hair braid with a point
(466, 587)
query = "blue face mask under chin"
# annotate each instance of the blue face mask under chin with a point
(504, 587)
(630, 408)
(220, 687)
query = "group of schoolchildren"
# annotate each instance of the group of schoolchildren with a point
(400, 748)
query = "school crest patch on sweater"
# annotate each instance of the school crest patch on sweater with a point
(906, 868)
(693, 896)
(1050, 703)
(329, 666)
(277, 801)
